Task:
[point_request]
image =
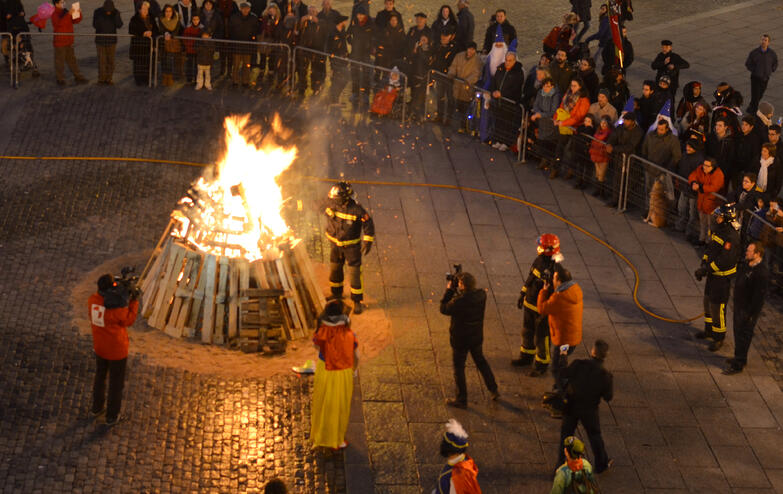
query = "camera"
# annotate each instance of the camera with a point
(452, 277)
(128, 282)
(546, 276)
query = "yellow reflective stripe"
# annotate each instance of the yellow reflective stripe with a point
(335, 285)
(368, 238)
(529, 351)
(717, 239)
(530, 306)
(721, 320)
(708, 320)
(329, 211)
(536, 273)
(546, 347)
(728, 272)
(346, 216)
(356, 291)
(342, 243)
(704, 257)
(524, 289)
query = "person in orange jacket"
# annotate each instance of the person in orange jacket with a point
(568, 117)
(62, 22)
(561, 301)
(459, 474)
(112, 309)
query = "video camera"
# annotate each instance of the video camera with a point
(452, 278)
(128, 281)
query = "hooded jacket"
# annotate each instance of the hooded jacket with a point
(709, 185)
(106, 20)
(563, 308)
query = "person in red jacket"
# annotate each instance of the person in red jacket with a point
(112, 309)
(62, 22)
(707, 180)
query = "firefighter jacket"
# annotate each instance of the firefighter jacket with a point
(720, 258)
(348, 223)
(535, 280)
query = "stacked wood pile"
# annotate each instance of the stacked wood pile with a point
(230, 301)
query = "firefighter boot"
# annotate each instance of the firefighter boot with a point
(524, 360)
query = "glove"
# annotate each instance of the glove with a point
(700, 273)
(366, 246)
(521, 301)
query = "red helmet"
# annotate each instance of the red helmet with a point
(548, 244)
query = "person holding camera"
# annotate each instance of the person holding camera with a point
(112, 309)
(465, 304)
(719, 265)
(561, 302)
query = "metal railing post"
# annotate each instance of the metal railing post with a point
(623, 192)
(404, 97)
(521, 151)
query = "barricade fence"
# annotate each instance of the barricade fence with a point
(456, 102)
(340, 81)
(9, 54)
(93, 57)
(253, 64)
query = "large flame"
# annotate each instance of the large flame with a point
(237, 211)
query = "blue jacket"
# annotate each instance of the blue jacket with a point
(604, 34)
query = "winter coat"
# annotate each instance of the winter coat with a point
(609, 56)
(106, 21)
(709, 185)
(205, 52)
(547, 104)
(360, 36)
(660, 65)
(762, 64)
(509, 82)
(625, 141)
(721, 149)
(213, 23)
(140, 45)
(192, 32)
(414, 36)
(598, 152)
(746, 154)
(618, 94)
(774, 179)
(608, 110)
(559, 38)
(466, 26)
(590, 80)
(687, 165)
(563, 308)
(336, 342)
(582, 9)
(438, 27)
(509, 34)
(561, 75)
(243, 28)
(604, 34)
(311, 34)
(390, 48)
(110, 327)
(587, 382)
(577, 114)
(468, 70)
(688, 100)
(444, 55)
(185, 14)
(466, 309)
(663, 150)
(62, 22)
(383, 16)
(769, 236)
(336, 44)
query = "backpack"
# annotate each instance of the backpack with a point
(582, 484)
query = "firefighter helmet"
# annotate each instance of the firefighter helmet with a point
(728, 212)
(341, 190)
(548, 244)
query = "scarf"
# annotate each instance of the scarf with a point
(170, 24)
(565, 286)
(569, 100)
(763, 118)
(761, 181)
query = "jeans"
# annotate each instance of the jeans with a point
(460, 355)
(585, 27)
(558, 363)
(687, 214)
(116, 372)
(757, 88)
(743, 335)
(591, 423)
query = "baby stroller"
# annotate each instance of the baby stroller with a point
(17, 26)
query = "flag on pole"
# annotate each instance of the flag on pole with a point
(664, 114)
(628, 107)
(614, 23)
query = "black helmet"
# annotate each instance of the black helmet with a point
(342, 190)
(728, 212)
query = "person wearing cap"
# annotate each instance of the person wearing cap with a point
(416, 32)
(691, 95)
(670, 64)
(459, 476)
(360, 36)
(466, 25)
(112, 309)
(588, 383)
(466, 70)
(687, 212)
(763, 119)
(337, 45)
(602, 107)
(761, 63)
(507, 30)
(243, 26)
(388, 11)
(664, 90)
(575, 468)
(506, 90)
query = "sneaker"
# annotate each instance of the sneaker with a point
(732, 369)
(502, 147)
(456, 403)
(358, 307)
(343, 445)
(715, 345)
(307, 368)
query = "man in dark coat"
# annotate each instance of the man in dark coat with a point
(588, 382)
(465, 25)
(669, 63)
(761, 63)
(582, 9)
(312, 36)
(243, 26)
(509, 33)
(589, 77)
(383, 16)
(416, 32)
(444, 55)
(106, 20)
(507, 85)
(609, 56)
(337, 45)
(465, 304)
(721, 146)
(361, 34)
(649, 105)
(747, 153)
(623, 141)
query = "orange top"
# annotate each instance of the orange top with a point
(337, 343)
(109, 327)
(564, 310)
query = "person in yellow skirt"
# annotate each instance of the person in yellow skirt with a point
(338, 358)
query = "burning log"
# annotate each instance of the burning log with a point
(227, 269)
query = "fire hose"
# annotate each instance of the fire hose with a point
(407, 184)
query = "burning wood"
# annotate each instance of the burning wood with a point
(228, 268)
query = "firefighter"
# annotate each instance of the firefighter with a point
(719, 265)
(535, 329)
(351, 231)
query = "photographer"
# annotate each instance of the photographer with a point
(112, 310)
(465, 304)
(561, 302)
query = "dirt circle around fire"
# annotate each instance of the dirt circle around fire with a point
(372, 327)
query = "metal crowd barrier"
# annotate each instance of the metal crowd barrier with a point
(453, 100)
(9, 53)
(344, 78)
(257, 64)
(34, 54)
